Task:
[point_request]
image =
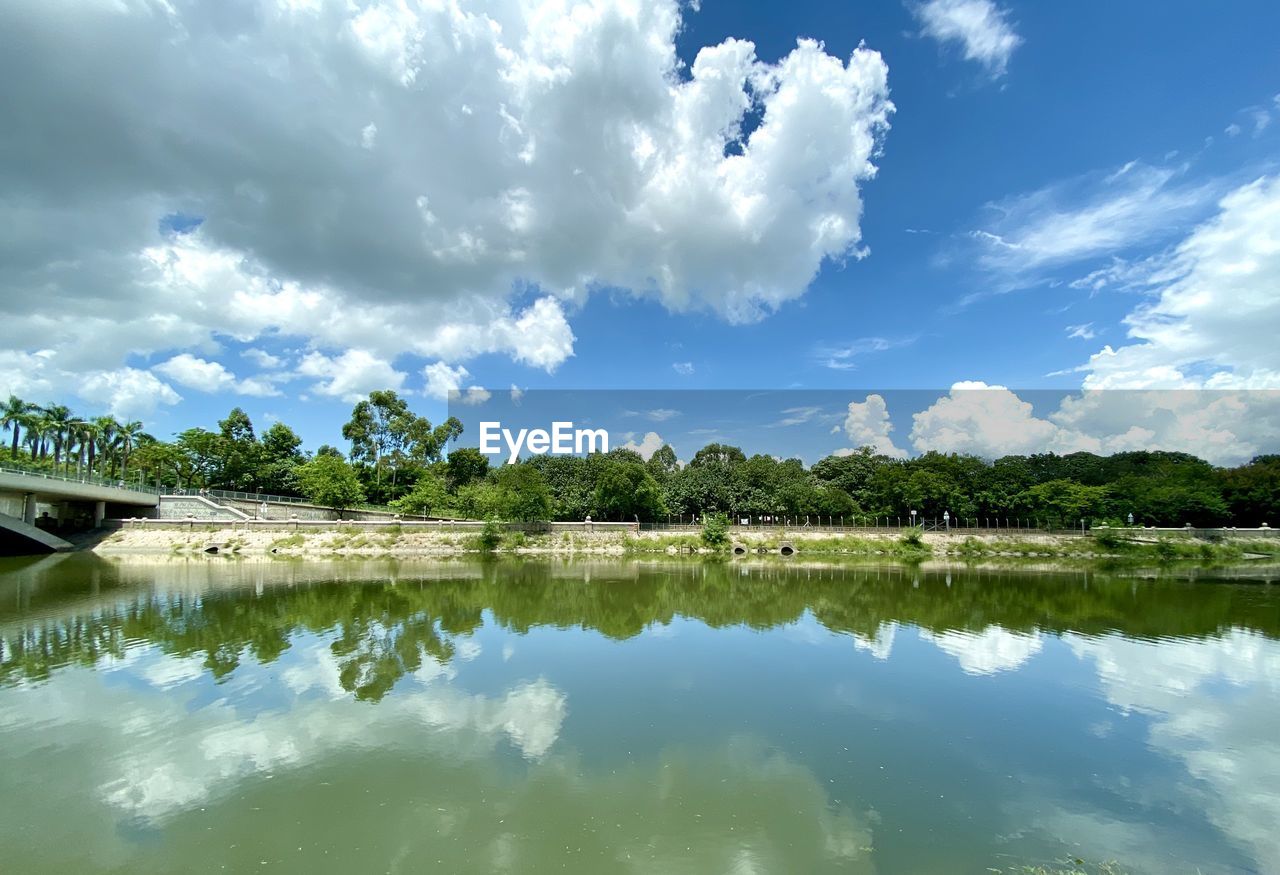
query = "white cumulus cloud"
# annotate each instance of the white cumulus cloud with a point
(443, 380)
(381, 179)
(209, 376)
(350, 376)
(648, 445)
(867, 424)
(127, 392)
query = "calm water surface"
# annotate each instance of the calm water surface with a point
(383, 716)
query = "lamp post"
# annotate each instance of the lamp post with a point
(913, 519)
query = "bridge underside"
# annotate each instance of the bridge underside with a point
(18, 538)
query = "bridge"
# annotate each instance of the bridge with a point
(35, 507)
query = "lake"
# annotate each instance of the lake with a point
(230, 715)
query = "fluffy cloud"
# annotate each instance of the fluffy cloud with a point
(648, 445)
(263, 359)
(981, 28)
(127, 392)
(984, 420)
(1226, 428)
(208, 376)
(1212, 320)
(867, 424)
(443, 380)
(378, 179)
(350, 376)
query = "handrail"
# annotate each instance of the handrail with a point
(84, 479)
(259, 497)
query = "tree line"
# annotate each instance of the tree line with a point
(395, 457)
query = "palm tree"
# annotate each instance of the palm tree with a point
(59, 417)
(128, 433)
(39, 428)
(107, 428)
(86, 435)
(12, 415)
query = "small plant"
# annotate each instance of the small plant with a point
(295, 540)
(516, 540)
(1106, 540)
(913, 537)
(490, 536)
(715, 530)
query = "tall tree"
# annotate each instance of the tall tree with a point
(58, 423)
(238, 451)
(278, 457)
(13, 417)
(127, 435)
(108, 427)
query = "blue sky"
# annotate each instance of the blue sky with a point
(1063, 196)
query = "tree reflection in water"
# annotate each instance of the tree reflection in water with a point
(389, 616)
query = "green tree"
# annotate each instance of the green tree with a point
(378, 428)
(13, 418)
(237, 451)
(107, 444)
(465, 465)
(330, 482)
(127, 435)
(1065, 502)
(522, 493)
(1252, 492)
(428, 496)
(201, 456)
(57, 425)
(626, 490)
(279, 456)
(663, 464)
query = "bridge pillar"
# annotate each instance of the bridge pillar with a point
(99, 513)
(29, 508)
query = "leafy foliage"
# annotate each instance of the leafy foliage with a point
(715, 530)
(331, 482)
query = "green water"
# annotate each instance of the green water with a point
(380, 716)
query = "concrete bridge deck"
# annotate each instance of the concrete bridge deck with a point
(62, 503)
(52, 488)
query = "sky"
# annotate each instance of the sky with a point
(285, 204)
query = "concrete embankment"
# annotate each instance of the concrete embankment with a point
(317, 539)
